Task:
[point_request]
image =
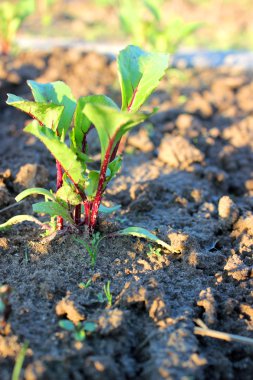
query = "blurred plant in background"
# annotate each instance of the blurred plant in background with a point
(144, 23)
(44, 8)
(12, 15)
(158, 25)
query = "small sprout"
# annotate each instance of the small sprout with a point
(85, 285)
(19, 362)
(91, 247)
(107, 292)
(154, 251)
(80, 330)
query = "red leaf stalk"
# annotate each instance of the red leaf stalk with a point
(59, 182)
(77, 215)
(101, 181)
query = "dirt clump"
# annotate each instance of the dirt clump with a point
(178, 152)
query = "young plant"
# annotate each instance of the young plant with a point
(91, 247)
(107, 292)
(59, 117)
(106, 296)
(80, 330)
(154, 251)
(16, 374)
(12, 15)
(85, 285)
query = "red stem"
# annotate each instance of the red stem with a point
(107, 159)
(59, 182)
(77, 214)
(114, 151)
(98, 196)
(122, 142)
(87, 209)
(132, 100)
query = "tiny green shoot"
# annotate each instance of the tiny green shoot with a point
(91, 247)
(154, 251)
(79, 331)
(19, 362)
(107, 292)
(85, 285)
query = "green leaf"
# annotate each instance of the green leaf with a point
(2, 307)
(67, 158)
(19, 219)
(53, 209)
(24, 8)
(57, 93)
(90, 326)
(79, 335)
(108, 210)
(46, 114)
(115, 166)
(111, 123)
(153, 8)
(143, 233)
(81, 122)
(67, 325)
(91, 184)
(33, 191)
(139, 74)
(67, 194)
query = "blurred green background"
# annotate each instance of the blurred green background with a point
(162, 25)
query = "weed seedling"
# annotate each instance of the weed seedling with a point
(85, 285)
(91, 247)
(19, 362)
(154, 251)
(107, 292)
(106, 296)
(79, 331)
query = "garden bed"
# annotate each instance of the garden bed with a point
(196, 150)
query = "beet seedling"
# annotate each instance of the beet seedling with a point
(58, 116)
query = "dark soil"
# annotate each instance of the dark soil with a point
(188, 177)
